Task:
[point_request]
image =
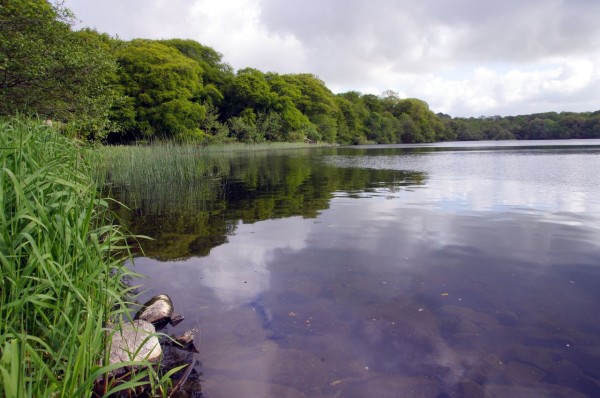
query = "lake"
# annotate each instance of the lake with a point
(440, 270)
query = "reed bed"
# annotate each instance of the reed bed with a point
(168, 163)
(62, 267)
(154, 164)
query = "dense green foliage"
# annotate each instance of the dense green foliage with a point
(103, 88)
(540, 126)
(49, 70)
(161, 86)
(62, 273)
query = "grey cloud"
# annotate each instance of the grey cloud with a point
(415, 34)
(131, 19)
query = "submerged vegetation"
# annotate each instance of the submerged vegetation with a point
(63, 277)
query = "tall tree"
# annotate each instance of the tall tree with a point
(50, 70)
(163, 86)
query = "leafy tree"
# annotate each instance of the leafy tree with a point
(217, 74)
(313, 99)
(215, 130)
(163, 86)
(351, 120)
(50, 70)
(249, 89)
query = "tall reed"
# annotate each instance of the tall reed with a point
(62, 266)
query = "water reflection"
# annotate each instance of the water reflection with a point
(191, 220)
(438, 274)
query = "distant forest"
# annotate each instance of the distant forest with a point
(101, 88)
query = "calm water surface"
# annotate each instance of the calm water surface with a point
(451, 270)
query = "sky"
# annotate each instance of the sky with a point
(465, 58)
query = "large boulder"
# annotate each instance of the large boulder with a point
(134, 342)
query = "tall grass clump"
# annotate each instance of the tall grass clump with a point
(159, 175)
(62, 266)
(170, 163)
(157, 164)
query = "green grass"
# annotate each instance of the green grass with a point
(180, 163)
(157, 163)
(62, 266)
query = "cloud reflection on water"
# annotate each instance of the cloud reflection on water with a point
(415, 287)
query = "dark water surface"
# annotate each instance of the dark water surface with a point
(452, 270)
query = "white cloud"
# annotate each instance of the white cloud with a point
(464, 57)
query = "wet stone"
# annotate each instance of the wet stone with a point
(158, 311)
(533, 391)
(588, 359)
(506, 318)
(532, 356)
(466, 327)
(248, 388)
(565, 372)
(490, 369)
(523, 374)
(267, 363)
(392, 387)
(470, 389)
(482, 320)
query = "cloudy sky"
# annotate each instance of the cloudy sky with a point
(463, 57)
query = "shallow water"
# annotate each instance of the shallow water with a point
(449, 270)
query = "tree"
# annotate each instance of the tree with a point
(49, 70)
(217, 75)
(249, 89)
(163, 86)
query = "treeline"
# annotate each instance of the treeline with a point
(539, 126)
(102, 88)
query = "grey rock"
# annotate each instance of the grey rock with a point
(187, 337)
(159, 311)
(134, 342)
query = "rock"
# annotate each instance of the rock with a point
(482, 320)
(134, 342)
(186, 340)
(392, 386)
(248, 388)
(520, 373)
(533, 391)
(532, 356)
(159, 311)
(470, 389)
(507, 318)
(565, 372)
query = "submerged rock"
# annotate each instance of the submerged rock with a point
(134, 342)
(159, 311)
(186, 340)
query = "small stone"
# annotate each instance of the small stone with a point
(565, 372)
(176, 319)
(533, 356)
(470, 389)
(248, 388)
(507, 318)
(521, 373)
(186, 340)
